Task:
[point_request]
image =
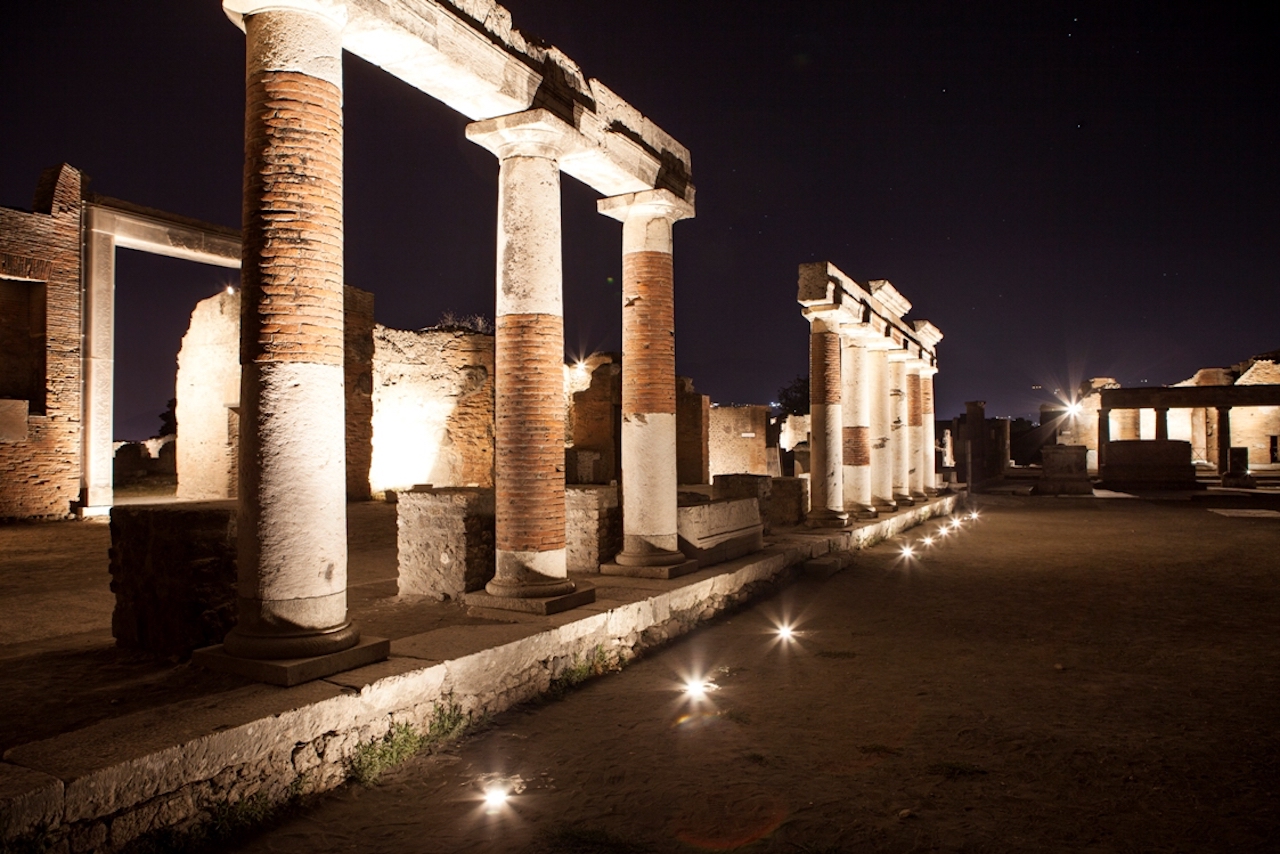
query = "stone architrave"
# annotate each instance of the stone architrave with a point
(649, 477)
(899, 427)
(292, 545)
(826, 452)
(856, 426)
(529, 416)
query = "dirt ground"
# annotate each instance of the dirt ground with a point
(1059, 675)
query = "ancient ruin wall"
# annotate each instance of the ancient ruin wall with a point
(432, 409)
(40, 270)
(693, 424)
(1257, 427)
(736, 440)
(208, 393)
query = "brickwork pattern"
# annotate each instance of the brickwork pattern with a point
(926, 397)
(857, 446)
(915, 414)
(40, 477)
(594, 424)
(292, 274)
(648, 333)
(529, 428)
(824, 368)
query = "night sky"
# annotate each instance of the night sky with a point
(1065, 189)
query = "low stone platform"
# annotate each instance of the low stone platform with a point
(102, 786)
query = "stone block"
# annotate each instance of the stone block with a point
(1237, 474)
(1064, 471)
(757, 486)
(593, 526)
(1148, 464)
(29, 801)
(788, 502)
(13, 420)
(173, 572)
(720, 530)
(445, 540)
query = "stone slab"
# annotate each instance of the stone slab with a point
(29, 800)
(294, 671)
(458, 641)
(542, 606)
(663, 572)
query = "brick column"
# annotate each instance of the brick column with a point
(826, 480)
(856, 427)
(881, 426)
(649, 480)
(899, 421)
(529, 355)
(915, 431)
(929, 457)
(292, 583)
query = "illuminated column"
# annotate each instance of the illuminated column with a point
(649, 483)
(856, 421)
(97, 477)
(881, 425)
(528, 355)
(915, 432)
(292, 583)
(899, 429)
(826, 489)
(928, 455)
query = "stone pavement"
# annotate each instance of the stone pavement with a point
(101, 746)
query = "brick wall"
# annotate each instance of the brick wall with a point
(693, 421)
(40, 475)
(594, 425)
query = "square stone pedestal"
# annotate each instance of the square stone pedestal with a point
(293, 671)
(543, 606)
(665, 572)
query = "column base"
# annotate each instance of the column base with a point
(885, 505)
(863, 511)
(827, 519)
(651, 557)
(578, 595)
(903, 499)
(293, 671)
(918, 495)
(931, 491)
(273, 646)
(667, 571)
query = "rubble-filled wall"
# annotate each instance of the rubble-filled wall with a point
(432, 409)
(693, 425)
(1258, 427)
(208, 394)
(593, 420)
(736, 440)
(40, 371)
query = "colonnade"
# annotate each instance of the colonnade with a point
(292, 520)
(871, 398)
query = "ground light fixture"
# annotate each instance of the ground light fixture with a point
(495, 796)
(927, 541)
(908, 552)
(697, 689)
(785, 632)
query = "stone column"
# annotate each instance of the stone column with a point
(97, 476)
(899, 422)
(881, 427)
(529, 355)
(1162, 423)
(1224, 439)
(856, 424)
(292, 584)
(915, 432)
(928, 455)
(649, 479)
(826, 483)
(1104, 434)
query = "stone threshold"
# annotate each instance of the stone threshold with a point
(100, 787)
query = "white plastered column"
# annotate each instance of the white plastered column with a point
(915, 430)
(899, 429)
(881, 425)
(97, 474)
(649, 479)
(928, 460)
(856, 399)
(292, 579)
(529, 355)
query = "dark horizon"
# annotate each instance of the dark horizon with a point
(1066, 190)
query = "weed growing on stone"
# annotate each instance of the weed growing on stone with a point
(227, 824)
(580, 670)
(371, 759)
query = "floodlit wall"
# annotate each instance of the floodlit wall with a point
(40, 368)
(208, 394)
(432, 409)
(736, 440)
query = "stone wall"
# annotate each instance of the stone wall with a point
(1257, 427)
(432, 409)
(40, 275)
(444, 541)
(593, 526)
(357, 333)
(693, 423)
(736, 440)
(593, 421)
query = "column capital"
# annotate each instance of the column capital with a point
(533, 133)
(902, 355)
(650, 204)
(334, 10)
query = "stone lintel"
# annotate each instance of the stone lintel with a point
(665, 572)
(160, 233)
(293, 671)
(585, 594)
